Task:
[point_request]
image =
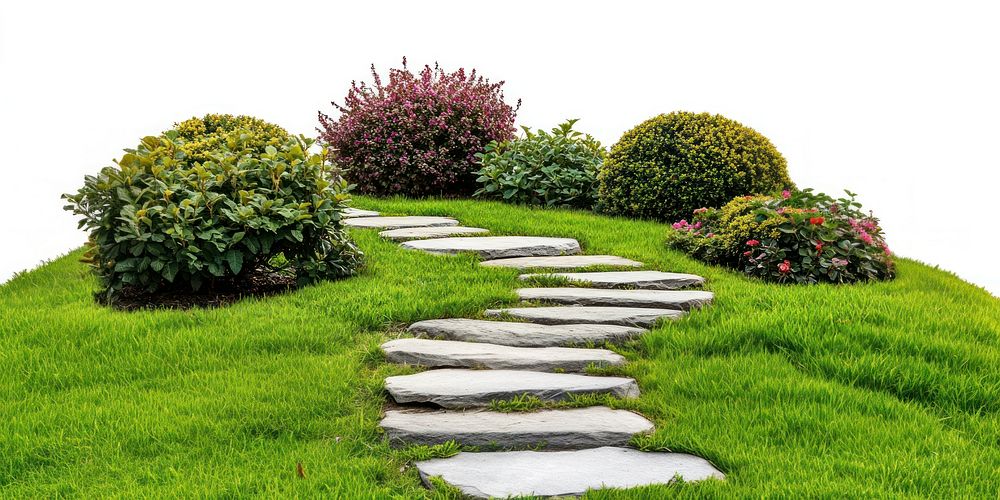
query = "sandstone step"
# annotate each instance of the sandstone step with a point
(562, 473)
(449, 353)
(419, 233)
(561, 315)
(570, 429)
(379, 222)
(562, 262)
(522, 334)
(654, 280)
(457, 388)
(498, 247)
(666, 299)
(357, 212)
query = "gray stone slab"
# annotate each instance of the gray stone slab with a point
(570, 429)
(562, 473)
(399, 222)
(563, 315)
(653, 280)
(499, 247)
(457, 388)
(522, 334)
(357, 212)
(562, 262)
(666, 299)
(449, 353)
(419, 233)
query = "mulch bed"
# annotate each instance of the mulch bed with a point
(258, 284)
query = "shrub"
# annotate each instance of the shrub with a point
(672, 164)
(201, 136)
(160, 220)
(551, 169)
(801, 237)
(417, 135)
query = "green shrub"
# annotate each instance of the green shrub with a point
(802, 237)
(161, 220)
(672, 164)
(557, 169)
(202, 136)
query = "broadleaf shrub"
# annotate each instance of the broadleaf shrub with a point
(163, 220)
(551, 169)
(671, 164)
(418, 134)
(802, 237)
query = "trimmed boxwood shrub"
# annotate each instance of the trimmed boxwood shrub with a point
(164, 220)
(418, 134)
(557, 169)
(671, 164)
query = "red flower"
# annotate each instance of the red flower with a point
(819, 247)
(817, 220)
(747, 253)
(785, 267)
(752, 243)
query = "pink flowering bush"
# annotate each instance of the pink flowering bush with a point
(418, 134)
(801, 237)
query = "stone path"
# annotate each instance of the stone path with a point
(472, 363)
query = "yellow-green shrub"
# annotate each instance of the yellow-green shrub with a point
(672, 164)
(203, 135)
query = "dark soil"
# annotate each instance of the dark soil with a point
(259, 284)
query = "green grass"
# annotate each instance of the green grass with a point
(885, 389)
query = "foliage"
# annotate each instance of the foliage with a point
(552, 169)
(672, 164)
(202, 136)
(417, 135)
(802, 237)
(162, 220)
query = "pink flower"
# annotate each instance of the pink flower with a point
(747, 253)
(785, 267)
(786, 194)
(752, 243)
(839, 262)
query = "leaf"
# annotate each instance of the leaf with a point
(235, 260)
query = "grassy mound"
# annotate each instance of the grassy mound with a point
(885, 389)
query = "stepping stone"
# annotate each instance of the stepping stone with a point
(455, 388)
(399, 222)
(499, 247)
(417, 233)
(666, 299)
(562, 262)
(522, 334)
(562, 473)
(626, 316)
(357, 212)
(653, 280)
(570, 429)
(449, 353)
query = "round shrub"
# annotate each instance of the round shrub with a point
(160, 220)
(418, 134)
(203, 135)
(557, 169)
(671, 164)
(801, 237)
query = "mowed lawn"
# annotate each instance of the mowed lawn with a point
(886, 389)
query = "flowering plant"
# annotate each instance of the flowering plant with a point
(801, 237)
(419, 133)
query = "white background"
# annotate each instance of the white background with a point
(897, 101)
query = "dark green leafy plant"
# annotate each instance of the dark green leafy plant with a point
(552, 169)
(161, 220)
(672, 164)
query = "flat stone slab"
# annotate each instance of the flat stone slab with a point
(450, 353)
(666, 299)
(417, 233)
(456, 388)
(499, 247)
(399, 222)
(652, 280)
(506, 474)
(562, 315)
(571, 429)
(562, 262)
(522, 334)
(357, 212)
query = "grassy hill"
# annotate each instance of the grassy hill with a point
(884, 389)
